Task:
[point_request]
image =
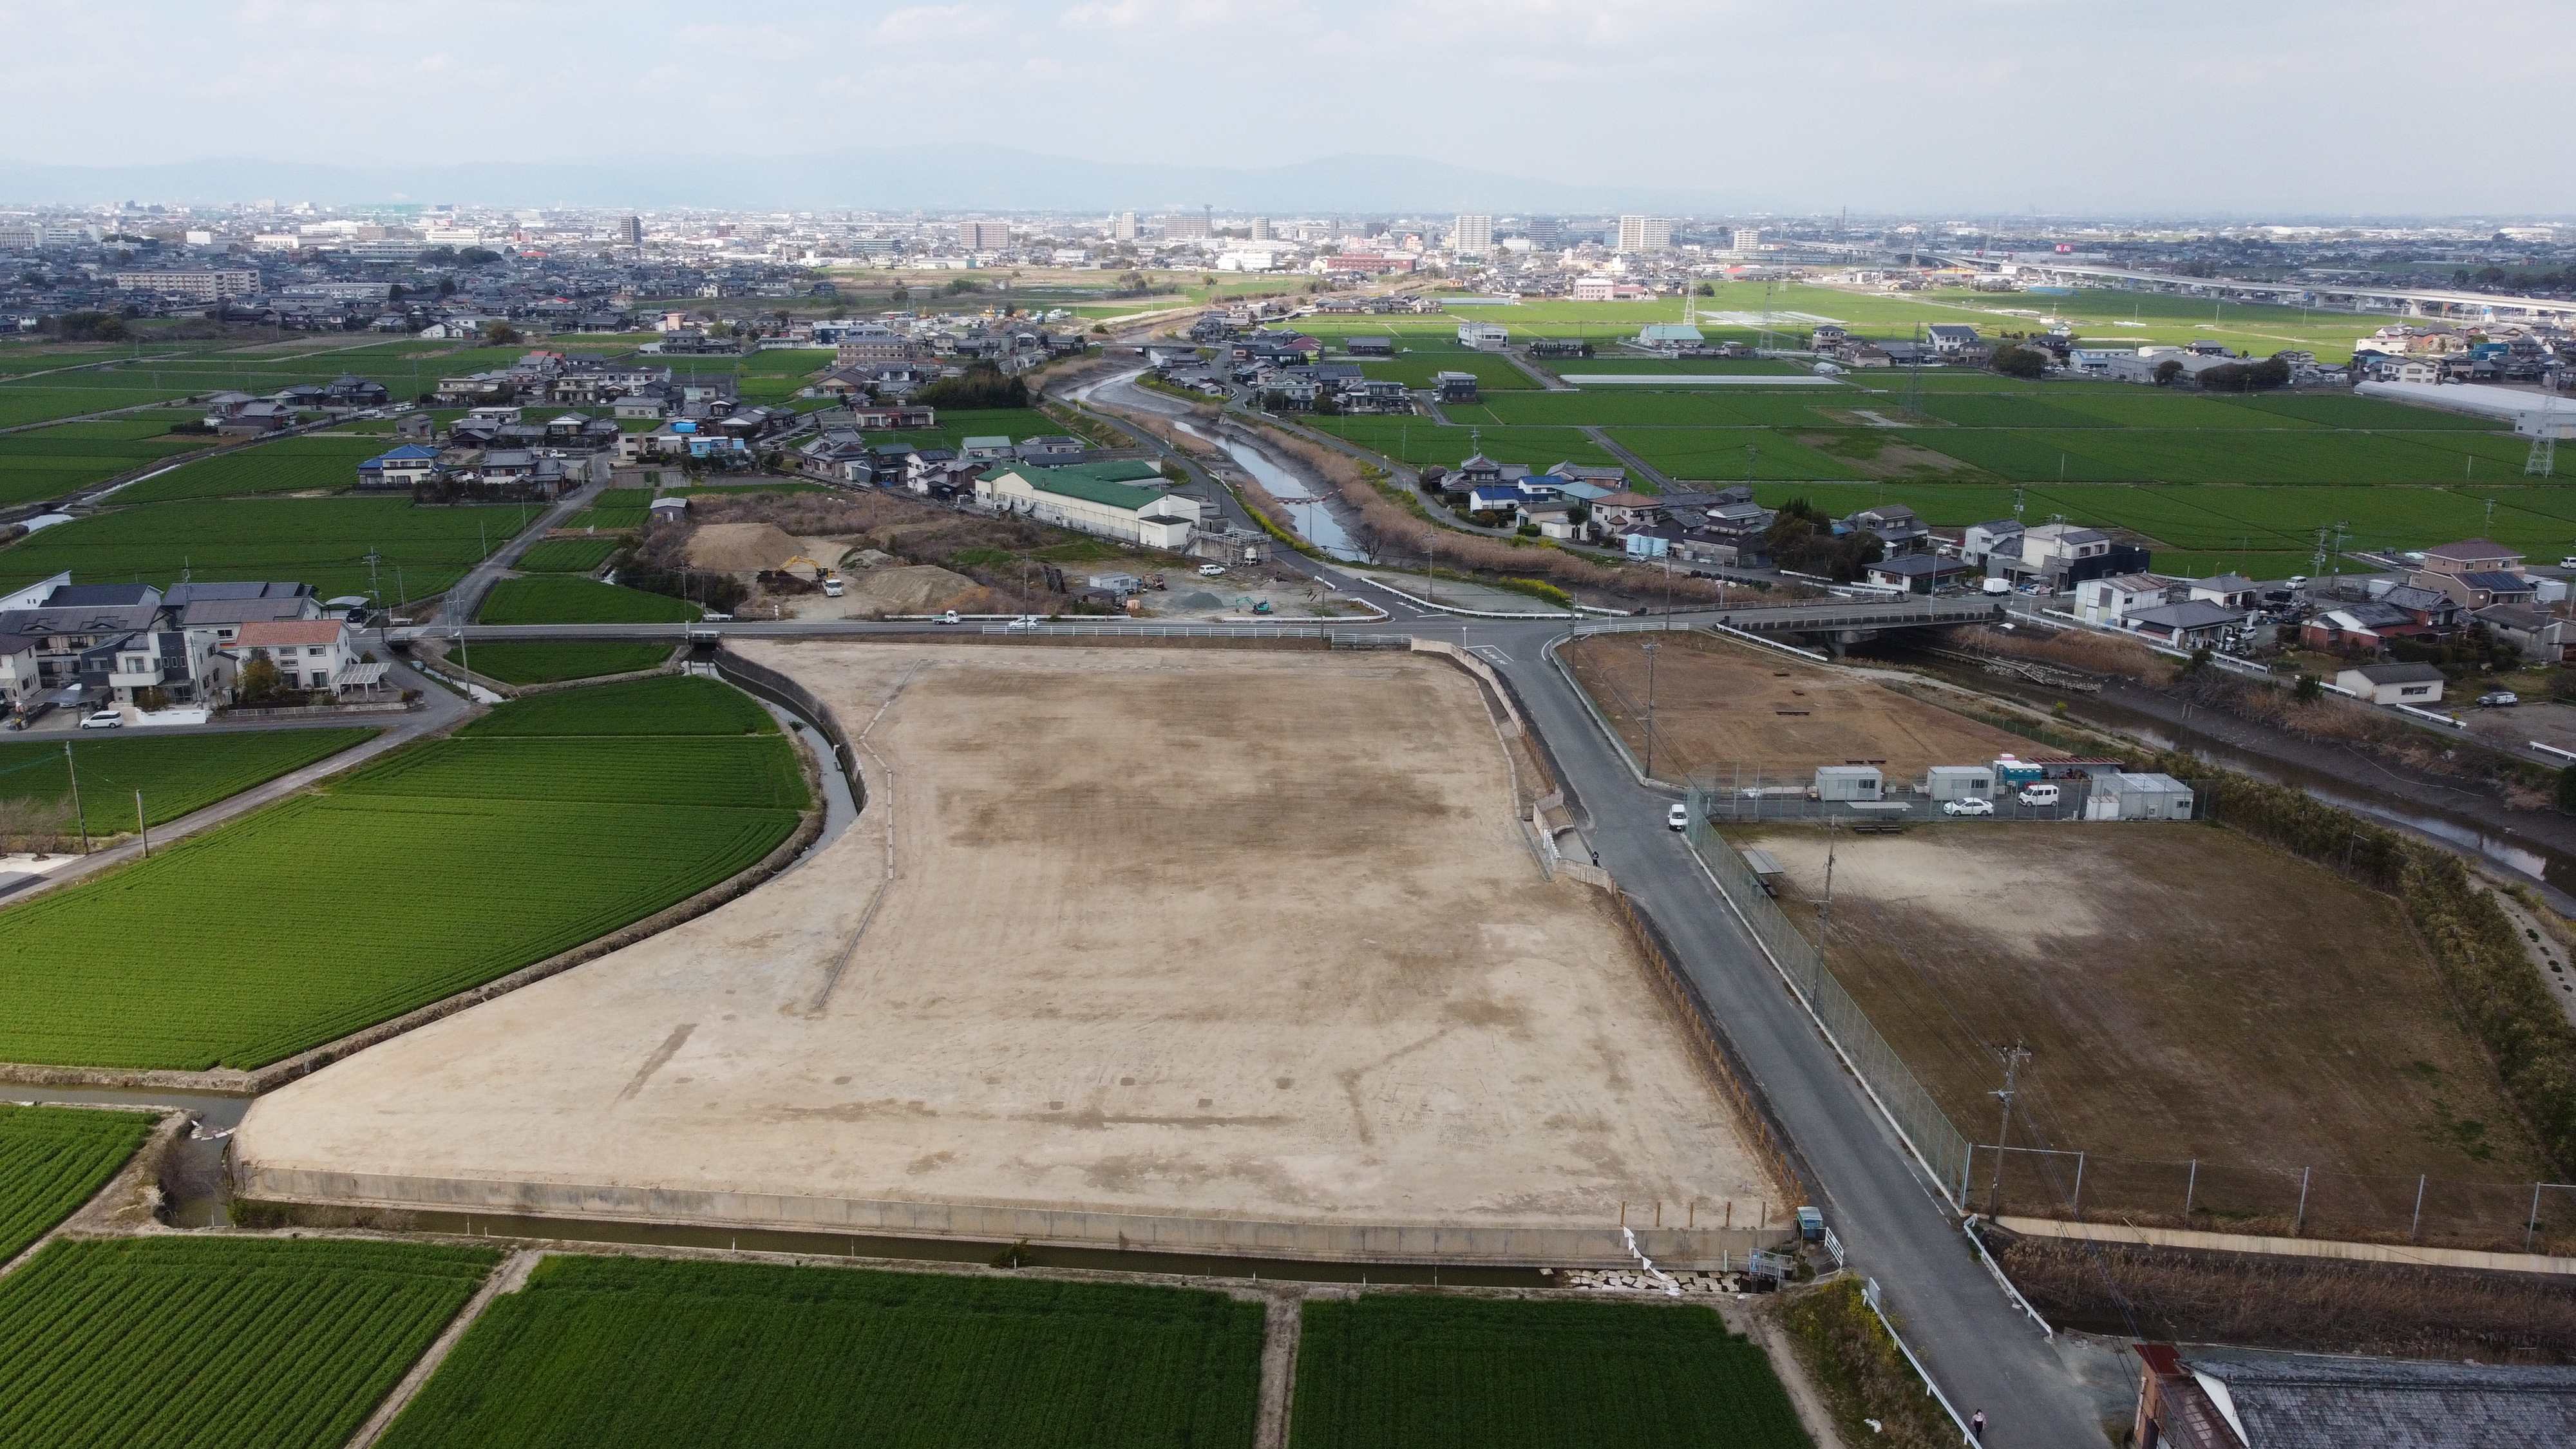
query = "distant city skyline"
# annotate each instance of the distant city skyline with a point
(1982, 106)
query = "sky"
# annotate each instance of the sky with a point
(1982, 108)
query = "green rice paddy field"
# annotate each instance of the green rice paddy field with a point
(658, 1354)
(567, 555)
(52, 1159)
(320, 541)
(562, 599)
(546, 661)
(176, 774)
(289, 465)
(2208, 481)
(1391, 1371)
(63, 459)
(547, 823)
(218, 1343)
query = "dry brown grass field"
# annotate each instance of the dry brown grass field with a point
(1724, 706)
(2186, 993)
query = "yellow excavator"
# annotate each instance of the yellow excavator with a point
(823, 575)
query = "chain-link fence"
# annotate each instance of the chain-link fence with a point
(2286, 1202)
(1922, 1121)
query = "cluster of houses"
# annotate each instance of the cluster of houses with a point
(841, 454)
(250, 413)
(2449, 352)
(2475, 584)
(94, 646)
(1941, 343)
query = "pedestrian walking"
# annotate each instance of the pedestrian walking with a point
(1977, 1426)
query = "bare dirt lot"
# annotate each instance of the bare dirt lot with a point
(2186, 993)
(1724, 706)
(1213, 933)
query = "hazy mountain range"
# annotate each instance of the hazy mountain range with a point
(937, 178)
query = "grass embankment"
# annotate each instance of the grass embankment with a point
(52, 1159)
(1427, 1372)
(217, 1343)
(1864, 1376)
(623, 799)
(650, 1353)
(2306, 1305)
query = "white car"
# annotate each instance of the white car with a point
(832, 588)
(1211, 571)
(712, 617)
(1678, 817)
(1972, 805)
(948, 618)
(106, 719)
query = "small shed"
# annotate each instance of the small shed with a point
(1849, 782)
(2417, 684)
(1369, 346)
(2014, 771)
(669, 510)
(1961, 782)
(1121, 584)
(2148, 797)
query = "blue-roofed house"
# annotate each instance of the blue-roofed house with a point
(399, 468)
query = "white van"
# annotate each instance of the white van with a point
(2039, 794)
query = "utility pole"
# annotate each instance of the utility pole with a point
(81, 814)
(141, 827)
(2014, 1056)
(1431, 562)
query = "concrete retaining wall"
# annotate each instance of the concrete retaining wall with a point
(1337, 1242)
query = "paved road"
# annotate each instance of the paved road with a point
(467, 595)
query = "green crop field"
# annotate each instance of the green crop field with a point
(289, 465)
(217, 1343)
(61, 460)
(1420, 441)
(177, 774)
(319, 541)
(555, 599)
(1407, 1372)
(1415, 368)
(647, 1353)
(52, 1159)
(482, 858)
(672, 705)
(567, 555)
(545, 661)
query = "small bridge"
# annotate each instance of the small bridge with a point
(1841, 624)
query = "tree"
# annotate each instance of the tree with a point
(1706, 289)
(2244, 376)
(2311, 689)
(2023, 362)
(499, 334)
(477, 256)
(2167, 371)
(260, 679)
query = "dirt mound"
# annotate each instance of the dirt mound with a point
(741, 547)
(918, 589)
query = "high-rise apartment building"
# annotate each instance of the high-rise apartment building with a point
(1123, 228)
(631, 231)
(1184, 224)
(984, 236)
(1546, 233)
(1472, 236)
(1645, 233)
(1261, 229)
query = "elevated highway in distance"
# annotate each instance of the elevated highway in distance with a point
(2334, 296)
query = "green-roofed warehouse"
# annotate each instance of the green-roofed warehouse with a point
(1098, 498)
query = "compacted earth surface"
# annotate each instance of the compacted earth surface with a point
(1195, 933)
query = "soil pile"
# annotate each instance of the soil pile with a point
(741, 547)
(917, 589)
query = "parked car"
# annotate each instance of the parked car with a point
(2040, 794)
(2499, 698)
(106, 719)
(1972, 805)
(1678, 817)
(833, 588)
(1211, 571)
(2567, 563)
(712, 617)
